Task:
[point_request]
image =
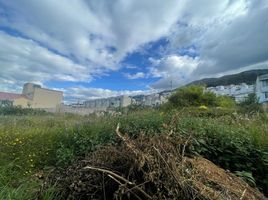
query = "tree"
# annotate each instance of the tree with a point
(192, 96)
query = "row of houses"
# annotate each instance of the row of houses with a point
(241, 91)
(152, 100)
(35, 96)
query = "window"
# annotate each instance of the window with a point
(266, 95)
(265, 83)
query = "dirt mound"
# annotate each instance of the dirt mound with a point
(150, 168)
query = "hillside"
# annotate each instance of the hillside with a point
(248, 77)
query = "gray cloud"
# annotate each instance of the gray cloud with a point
(239, 44)
(229, 36)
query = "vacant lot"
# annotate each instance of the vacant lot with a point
(31, 146)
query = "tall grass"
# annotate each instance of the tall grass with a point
(29, 144)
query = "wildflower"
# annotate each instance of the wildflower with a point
(203, 107)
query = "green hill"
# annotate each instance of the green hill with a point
(248, 77)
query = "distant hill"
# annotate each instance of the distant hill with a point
(248, 77)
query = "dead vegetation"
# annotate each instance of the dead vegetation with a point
(149, 168)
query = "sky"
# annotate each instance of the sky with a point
(100, 48)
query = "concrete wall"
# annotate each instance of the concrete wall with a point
(112, 102)
(23, 102)
(45, 98)
(70, 109)
(125, 101)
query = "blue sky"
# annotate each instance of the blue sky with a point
(99, 48)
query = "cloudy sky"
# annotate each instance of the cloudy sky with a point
(101, 48)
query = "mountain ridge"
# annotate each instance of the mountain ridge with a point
(248, 77)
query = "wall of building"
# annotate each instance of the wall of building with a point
(70, 109)
(45, 98)
(125, 101)
(262, 88)
(112, 102)
(23, 102)
(28, 89)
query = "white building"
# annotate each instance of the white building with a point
(238, 92)
(262, 88)
(112, 102)
(154, 100)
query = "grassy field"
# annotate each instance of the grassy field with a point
(31, 145)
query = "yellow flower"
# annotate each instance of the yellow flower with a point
(203, 107)
(17, 139)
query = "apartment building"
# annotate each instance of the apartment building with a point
(262, 88)
(105, 103)
(42, 97)
(238, 92)
(33, 96)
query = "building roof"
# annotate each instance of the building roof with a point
(263, 77)
(10, 96)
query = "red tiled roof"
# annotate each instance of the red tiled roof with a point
(10, 96)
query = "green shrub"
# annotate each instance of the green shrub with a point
(191, 96)
(196, 96)
(225, 102)
(250, 105)
(17, 110)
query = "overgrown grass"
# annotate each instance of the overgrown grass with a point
(29, 144)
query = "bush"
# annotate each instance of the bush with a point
(225, 102)
(18, 110)
(250, 104)
(193, 96)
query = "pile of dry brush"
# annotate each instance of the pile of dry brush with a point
(149, 168)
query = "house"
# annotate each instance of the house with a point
(42, 97)
(12, 99)
(262, 88)
(33, 96)
(238, 92)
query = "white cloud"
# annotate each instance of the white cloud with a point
(26, 61)
(81, 93)
(229, 35)
(135, 75)
(93, 37)
(86, 29)
(173, 68)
